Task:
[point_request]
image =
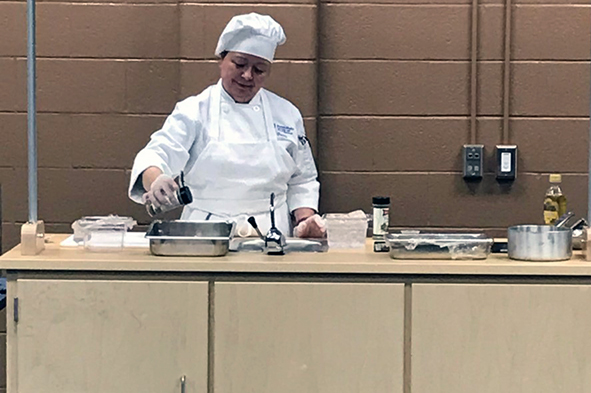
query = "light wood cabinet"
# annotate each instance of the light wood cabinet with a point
(294, 333)
(308, 337)
(76, 336)
(489, 338)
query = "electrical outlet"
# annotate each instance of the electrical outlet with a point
(473, 157)
(506, 162)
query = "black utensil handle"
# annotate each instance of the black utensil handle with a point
(253, 222)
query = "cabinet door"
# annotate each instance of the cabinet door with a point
(321, 338)
(501, 338)
(108, 336)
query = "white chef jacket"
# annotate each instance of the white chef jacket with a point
(213, 117)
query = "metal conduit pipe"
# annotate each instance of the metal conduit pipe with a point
(473, 72)
(507, 73)
(589, 170)
(31, 112)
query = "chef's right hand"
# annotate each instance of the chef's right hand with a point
(312, 227)
(162, 191)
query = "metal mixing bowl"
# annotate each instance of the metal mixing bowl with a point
(539, 243)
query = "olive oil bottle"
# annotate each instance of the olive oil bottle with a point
(554, 201)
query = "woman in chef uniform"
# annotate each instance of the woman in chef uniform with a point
(236, 143)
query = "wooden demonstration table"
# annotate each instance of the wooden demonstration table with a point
(350, 321)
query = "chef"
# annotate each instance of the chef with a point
(236, 143)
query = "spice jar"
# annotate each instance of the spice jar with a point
(381, 221)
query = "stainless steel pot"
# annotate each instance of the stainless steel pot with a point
(539, 243)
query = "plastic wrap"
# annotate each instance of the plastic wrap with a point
(82, 226)
(102, 232)
(439, 245)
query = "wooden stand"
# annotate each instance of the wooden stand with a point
(32, 238)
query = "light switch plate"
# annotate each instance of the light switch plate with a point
(473, 158)
(506, 156)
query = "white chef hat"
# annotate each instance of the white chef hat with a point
(253, 34)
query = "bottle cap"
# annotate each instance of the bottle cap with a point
(555, 178)
(185, 196)
(380, 200)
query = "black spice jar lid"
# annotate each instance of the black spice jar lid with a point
(380, 200)
(185, 195)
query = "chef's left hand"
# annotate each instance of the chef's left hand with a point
(311, 227)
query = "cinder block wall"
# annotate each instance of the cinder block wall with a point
(395, 107)
(383, 86)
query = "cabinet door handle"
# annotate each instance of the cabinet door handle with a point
(183, 380)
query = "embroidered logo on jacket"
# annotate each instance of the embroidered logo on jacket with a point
(283, 129)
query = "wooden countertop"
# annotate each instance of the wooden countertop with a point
(359, 261)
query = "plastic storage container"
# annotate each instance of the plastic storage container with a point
(102, 233)
(439, 245)
(83, 225)
(346, 230)
(105, 237)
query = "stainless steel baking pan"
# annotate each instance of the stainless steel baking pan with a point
(291, 245)
(190, 238)
(438, 245)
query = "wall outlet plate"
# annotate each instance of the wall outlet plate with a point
(506, 156)
(473, 158)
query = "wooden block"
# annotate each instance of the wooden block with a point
(32, 238)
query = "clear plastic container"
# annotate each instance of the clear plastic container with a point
(102, 233)
(105, 237)
(346, 230)
(84, 224)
